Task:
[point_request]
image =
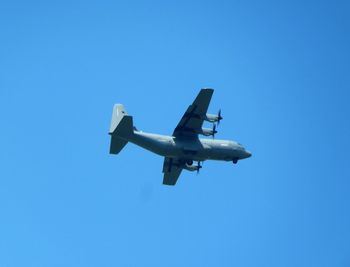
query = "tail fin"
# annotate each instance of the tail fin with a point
(121, 129)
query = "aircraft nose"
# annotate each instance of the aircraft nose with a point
(248, 154)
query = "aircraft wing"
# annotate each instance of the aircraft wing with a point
(171, 170)
(193, 117)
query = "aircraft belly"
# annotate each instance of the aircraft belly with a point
(166, 149)
(160, 146)
(199, 151)
(194, 149)
(188, 149)
(219, 153)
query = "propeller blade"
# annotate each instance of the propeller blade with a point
(198, 167)
(219, 117)
(214, 130)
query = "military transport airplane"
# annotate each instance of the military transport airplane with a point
(183, 147)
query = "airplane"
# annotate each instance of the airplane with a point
(184, 146)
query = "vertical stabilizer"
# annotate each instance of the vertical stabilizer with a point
(118, 113)
(121, 129)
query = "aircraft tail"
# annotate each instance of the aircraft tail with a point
(121, 129)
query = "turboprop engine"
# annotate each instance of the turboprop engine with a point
(192, 168)
(208, 131)
(213, 117)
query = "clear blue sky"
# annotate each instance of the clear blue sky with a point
(280, 70)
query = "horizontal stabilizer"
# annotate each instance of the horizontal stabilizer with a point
(117, 145)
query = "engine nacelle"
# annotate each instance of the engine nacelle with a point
(190, 168)
(211, 117)
(207, 131)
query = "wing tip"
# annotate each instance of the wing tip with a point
(207, 89)
(169, 184)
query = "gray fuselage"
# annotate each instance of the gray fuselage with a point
(195, 149)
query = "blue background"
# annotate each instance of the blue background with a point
(281, 74)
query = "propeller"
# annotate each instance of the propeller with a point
(214, 130)
(198, 167)
(219, 117)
